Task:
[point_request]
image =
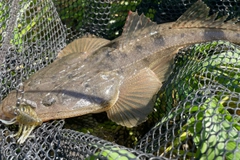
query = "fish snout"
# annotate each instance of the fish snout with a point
(8, 106)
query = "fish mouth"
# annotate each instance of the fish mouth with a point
(7, 107)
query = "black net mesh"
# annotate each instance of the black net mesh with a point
(196, 114)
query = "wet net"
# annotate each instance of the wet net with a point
(196, 114)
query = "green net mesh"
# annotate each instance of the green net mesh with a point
(196, 115)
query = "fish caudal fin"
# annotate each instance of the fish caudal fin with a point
(85, 45)
(197, 16)
(135, 99)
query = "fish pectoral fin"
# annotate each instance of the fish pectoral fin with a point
(135, 99)
(86, 45)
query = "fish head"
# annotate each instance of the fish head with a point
(92, 94)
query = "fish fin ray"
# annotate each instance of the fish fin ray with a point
(135, 22)
(198, 16)
(135, 26)
(86, 45)
(135, 99)
(162, 65)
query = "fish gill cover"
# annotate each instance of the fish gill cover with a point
(196, 114)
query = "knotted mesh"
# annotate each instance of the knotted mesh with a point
(196, 114)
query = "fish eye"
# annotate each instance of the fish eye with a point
(49, 100)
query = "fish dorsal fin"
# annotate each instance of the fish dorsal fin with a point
(134, 22)
(136, 26)
(85, 45)
(135, 99)
(197, 16)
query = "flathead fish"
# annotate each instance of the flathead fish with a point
(122, 76)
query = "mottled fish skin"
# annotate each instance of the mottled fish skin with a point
(120, 76)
